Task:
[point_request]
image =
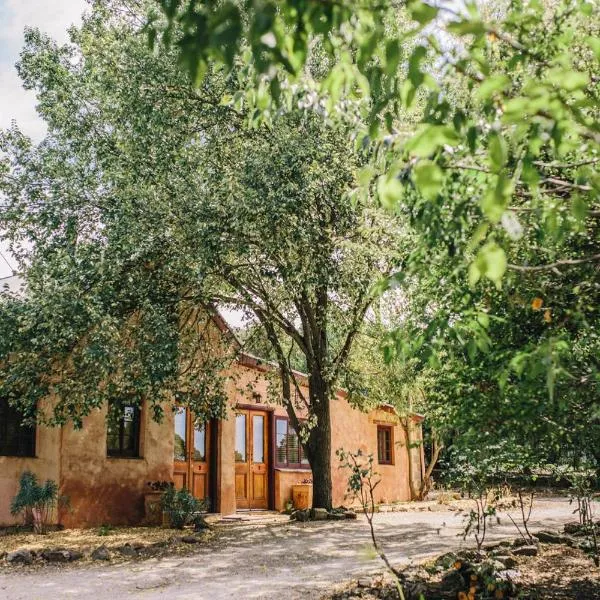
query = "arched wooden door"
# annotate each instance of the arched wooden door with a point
(191, 466)
(251, 459)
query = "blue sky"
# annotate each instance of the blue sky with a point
(52, 17)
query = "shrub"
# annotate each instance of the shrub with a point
(181, 506)
(35, 501)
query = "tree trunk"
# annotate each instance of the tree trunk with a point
(319, 442)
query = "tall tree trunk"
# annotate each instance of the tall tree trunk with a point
(319, 442)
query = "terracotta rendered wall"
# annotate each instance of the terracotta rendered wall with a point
(111, 490)
(46, 465)
(353, 430)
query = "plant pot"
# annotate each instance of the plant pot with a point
(302, 495)
(152, 508)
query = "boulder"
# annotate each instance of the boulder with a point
(189, 539)
(526, 551)
(319, 514)
(335, 516)
(573, 527)
(300, 515)
(127, 550)
(524, 542)
(20, 557)
(75, 554)
(553, 537)
(350, 514)
(57, 555)
(508, 561)
(101, 553)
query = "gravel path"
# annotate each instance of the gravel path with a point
(291, 561)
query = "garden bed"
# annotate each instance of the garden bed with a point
(553, 565)
(21, 548)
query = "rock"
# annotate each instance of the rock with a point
(336, 516)
(526, 551)
(497, 546)
(508, 561)
(319, 514)
(200, 524)
(523, 542)
(573, 527)
(508, 575)
(301, 515)
(101, 553)
(350, 514)
(57, 555)
(553, 537)
(127, 550)
(189, 539)
(365, 582)
(75, 554)
(22, 557)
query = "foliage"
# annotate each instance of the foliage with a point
(498, 178)
(180, 506)
(35, 501)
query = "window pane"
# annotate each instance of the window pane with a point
(258, 448)
(240, 438)
(179, 452)
(281, 441)
(16, 439)
(293, 446)
(200, 442)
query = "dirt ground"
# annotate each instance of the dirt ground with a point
(282, 560)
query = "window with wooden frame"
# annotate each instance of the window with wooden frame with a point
(288, 449)
(385, 445)
(123, 435)
(16, 439)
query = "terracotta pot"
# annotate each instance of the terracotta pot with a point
(302, 495)
(152, 508)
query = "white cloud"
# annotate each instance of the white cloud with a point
(50, 16)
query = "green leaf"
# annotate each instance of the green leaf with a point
(491, 85)
(491, 263)
(428, 178)
(389, 191)
(496, 199)
(421, 12)
(497, 152)
(429, 138)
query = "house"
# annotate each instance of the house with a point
(248, 460)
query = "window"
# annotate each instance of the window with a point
(16, 439)
(288, 450)
(123, 439)
(384, 445)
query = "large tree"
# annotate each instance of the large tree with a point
(149, 196)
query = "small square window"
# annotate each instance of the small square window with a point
(385, 445)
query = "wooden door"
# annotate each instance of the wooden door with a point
(251, 460)
(191, 452)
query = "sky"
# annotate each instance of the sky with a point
(52, 17)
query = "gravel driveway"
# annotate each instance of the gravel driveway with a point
(291, 561)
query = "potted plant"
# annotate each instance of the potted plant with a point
(152, 501)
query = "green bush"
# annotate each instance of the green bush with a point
(181, 506)
(35, 501)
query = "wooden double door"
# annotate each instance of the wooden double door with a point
(191, 454)
(251, 459)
